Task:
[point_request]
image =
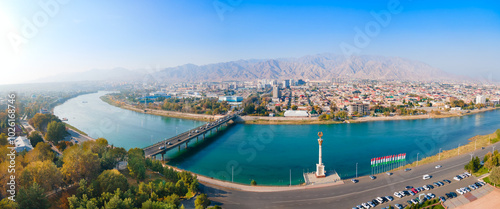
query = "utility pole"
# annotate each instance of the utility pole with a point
(458, 149)
(440, 153)
(232, 174)
(290, 177)
(417, 158)
(471, 156)
(475, 144)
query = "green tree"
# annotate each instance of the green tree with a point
(201, 201)
(56, 131)
(253, 183)
(33, 197)
(5, 203)
(249, 109)
(495, 175)
(294, 107)
(136, 163)
(3, 139)
(110, 180)
(42, 152)
(35, 138)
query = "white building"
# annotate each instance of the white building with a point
(480, 99)
(296, 113)
(22, 143)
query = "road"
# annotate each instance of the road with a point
(349, 194)
(186, 136)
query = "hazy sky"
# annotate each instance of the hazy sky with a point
(48, 37)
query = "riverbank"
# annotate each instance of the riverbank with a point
(190, 116)
(475, 143)
(265, 120)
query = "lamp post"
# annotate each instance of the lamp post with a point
(471, 154)
(232, 173)
(458, 149)
(417, 158)
(356, 170)
(440, 153)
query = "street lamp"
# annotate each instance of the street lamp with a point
(440, 153)
(493, 149)
(458, 149)
(417, 158)
(356, 170)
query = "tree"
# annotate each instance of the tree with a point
(42, 152)
(498, 133)
(110, 180)
(3, 139)
(33, 197)
(35, 138)
(136, 163)
(495, 175)
(201, 201)
(253, 183)
(43, 173)
(56, 131)
(249, 109)
(180, 188)
(324, 117)
(79, 164)
(5, 203)
(342, 115)
(473, 165)
(294, 107)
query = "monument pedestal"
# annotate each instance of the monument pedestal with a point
(320, 171)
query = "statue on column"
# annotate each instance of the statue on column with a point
(320, 168)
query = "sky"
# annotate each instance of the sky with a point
(49, 37)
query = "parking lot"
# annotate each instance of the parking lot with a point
(437, 191)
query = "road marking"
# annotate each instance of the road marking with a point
(338, 196)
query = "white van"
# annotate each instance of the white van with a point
(426, 176)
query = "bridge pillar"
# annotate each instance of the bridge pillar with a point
(203, 136)
(187, 143)
(162, 157)
(179, 147)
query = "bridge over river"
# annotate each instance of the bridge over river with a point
(162, 147)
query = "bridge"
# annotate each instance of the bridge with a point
(162, 147)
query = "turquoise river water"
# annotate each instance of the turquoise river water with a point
(267, 153)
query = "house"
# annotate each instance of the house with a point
(21, 143)
(296, 113)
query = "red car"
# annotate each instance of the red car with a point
(414, 190)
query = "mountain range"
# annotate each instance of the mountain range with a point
(313, 67)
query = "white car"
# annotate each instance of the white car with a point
(431, 195)
(397, 194)
(438, 166)
(460, 191)
(457, 178)
(426, 176)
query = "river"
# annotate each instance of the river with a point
(267, 153)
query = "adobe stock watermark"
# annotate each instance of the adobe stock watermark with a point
(363, 38)
(30, 27)
(223, 6)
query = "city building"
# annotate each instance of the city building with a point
(480, 99)
(21, 143)
(276, 92)
(231, 98)
(362, 109)
(286, 84)
(296, 113)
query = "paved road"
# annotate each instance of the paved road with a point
(349, 194)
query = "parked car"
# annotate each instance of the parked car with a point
(442, 199)
(447, 181)
(408, 169)
(438, 166)
(373, 177)
(426, 176)
(354, 180)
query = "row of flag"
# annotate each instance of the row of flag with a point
(388, 159)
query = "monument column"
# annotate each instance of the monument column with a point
(320, 168)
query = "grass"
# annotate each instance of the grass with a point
(480, 140)
(75, 129)
(483, 170)
(150, 177)
(487, 180)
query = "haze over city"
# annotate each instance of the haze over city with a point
(49, 38)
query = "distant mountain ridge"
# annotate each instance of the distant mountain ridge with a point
(314, 67)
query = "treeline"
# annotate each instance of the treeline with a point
(207, 106)
(51, 125)
(86, 173)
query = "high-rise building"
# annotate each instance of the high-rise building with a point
(362, 109)
(286, 84)
(480, 99)
(276, 92)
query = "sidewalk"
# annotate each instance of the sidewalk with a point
(484, 197)
(248, 188)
